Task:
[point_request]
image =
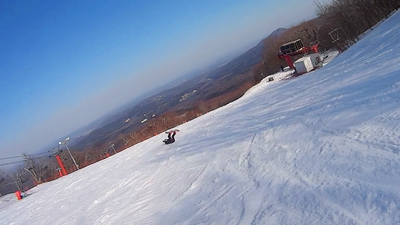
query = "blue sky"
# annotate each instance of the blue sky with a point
(63, 64)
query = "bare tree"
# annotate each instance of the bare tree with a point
(151, 126)
(126, 140)
(19, 178)
(101, 152)
(88, 158)
(34, 168)
(164, 119)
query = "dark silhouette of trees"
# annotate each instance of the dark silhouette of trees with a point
(353, 18)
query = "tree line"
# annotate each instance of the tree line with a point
(352, 18)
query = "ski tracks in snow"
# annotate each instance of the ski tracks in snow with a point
(246, 164)
(193, 184)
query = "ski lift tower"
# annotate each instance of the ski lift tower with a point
(61, 169)
(293, 48)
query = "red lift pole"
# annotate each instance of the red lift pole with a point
(288, 60)
(64, 172)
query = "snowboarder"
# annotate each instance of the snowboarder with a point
(171, 137)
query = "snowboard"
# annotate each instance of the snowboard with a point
(170, 131)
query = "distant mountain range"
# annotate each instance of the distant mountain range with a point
(169, 96)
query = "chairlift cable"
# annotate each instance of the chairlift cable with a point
(14, 157)
(9, 163)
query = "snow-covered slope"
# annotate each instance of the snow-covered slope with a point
(322, 148)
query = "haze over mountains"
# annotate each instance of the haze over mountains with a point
(236, 62)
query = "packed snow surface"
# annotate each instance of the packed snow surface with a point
(321, 148)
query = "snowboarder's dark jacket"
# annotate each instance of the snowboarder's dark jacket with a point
(169, 141)
(171, 138)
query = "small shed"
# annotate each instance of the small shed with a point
(316, 60)
(308, 63)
